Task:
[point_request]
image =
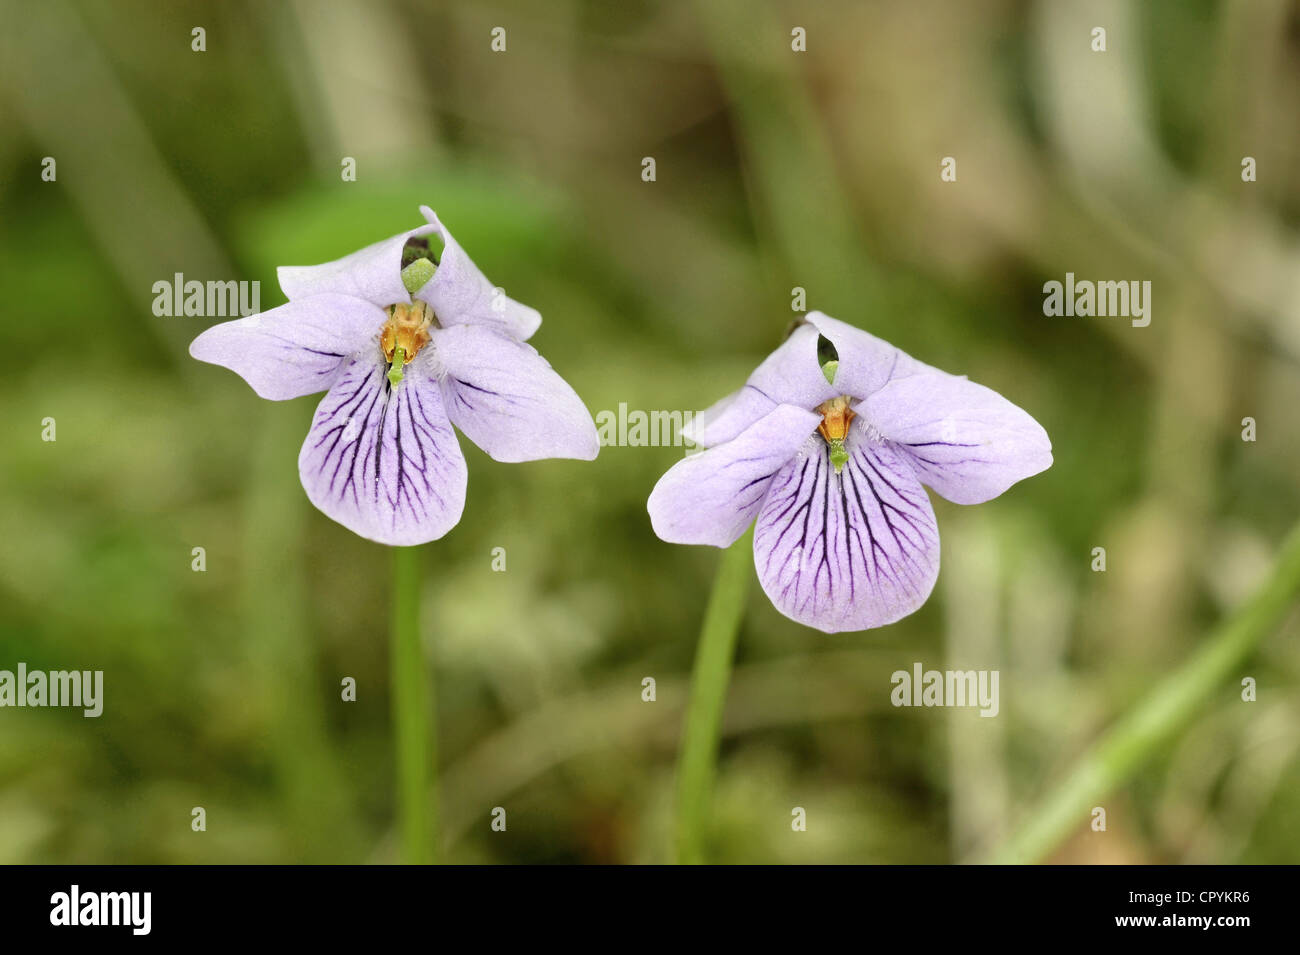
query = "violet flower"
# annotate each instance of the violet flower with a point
(830, 462)
(406, 343)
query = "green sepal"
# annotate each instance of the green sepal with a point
(416, 275)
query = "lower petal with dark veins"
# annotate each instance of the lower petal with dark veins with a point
(384, 461)
(847, 551)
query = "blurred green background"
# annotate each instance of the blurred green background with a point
(775, 169)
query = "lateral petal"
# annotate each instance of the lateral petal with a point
(295, 349)
(964, 440)
(507, 398)
(711, 497)
(723, 420)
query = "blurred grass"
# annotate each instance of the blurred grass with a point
(774, 169)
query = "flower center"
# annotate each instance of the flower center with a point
(836, 417)
(403, 335)
(407, 328)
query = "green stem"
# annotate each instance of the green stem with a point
(696, 764)
(1169, 706)
(413, 712)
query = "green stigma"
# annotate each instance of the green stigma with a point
(839, 456)
(416, 275)
(829, 370)
(395, 373)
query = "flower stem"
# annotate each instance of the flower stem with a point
(414, 736)
(696, 763)
(1169, 706)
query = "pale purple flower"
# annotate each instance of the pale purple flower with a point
(381, 457)
(845, 536)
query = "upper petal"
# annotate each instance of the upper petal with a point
(847, 551)
(507, 398)
(792, 375)
(711, 497)
(384, 462)
(295, 349)
(866, 362)
(723, 420)
(964, 440)
(461, 295)
(373, 274)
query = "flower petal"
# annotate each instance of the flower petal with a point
(866, 362)
(384, 462)
(508, 400)
(723, 420)
(792, 375)
(964, 440)
(295, 349)
(373, 274)
(847, 551)
(711, 497)
(461, 295)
